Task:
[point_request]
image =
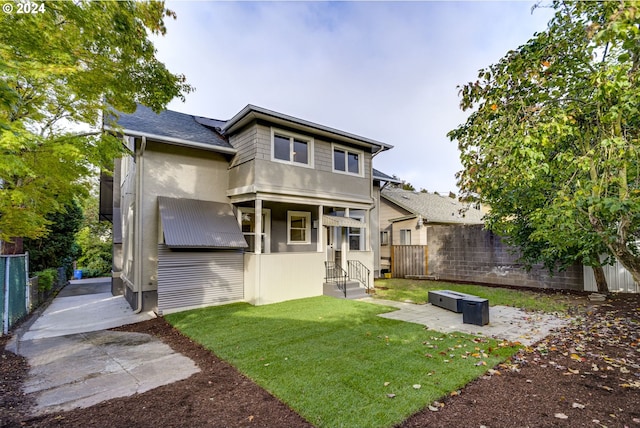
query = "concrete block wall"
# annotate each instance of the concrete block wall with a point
(471, 253)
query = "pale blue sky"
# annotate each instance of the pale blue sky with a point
(384, 70)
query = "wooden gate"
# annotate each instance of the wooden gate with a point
(409, 260)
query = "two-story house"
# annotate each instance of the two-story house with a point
(249, 209)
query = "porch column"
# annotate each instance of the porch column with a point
(258, 227)
(344, 242)
(368, 235)
(320, 231)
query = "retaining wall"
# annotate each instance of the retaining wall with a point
(472, 253)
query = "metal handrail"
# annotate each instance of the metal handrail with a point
(334, 273)
(359, 272)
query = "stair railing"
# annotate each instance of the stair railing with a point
(335, 274)
(359, 272)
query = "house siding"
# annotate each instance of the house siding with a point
(170, 171)
(244, 143)
(388, 211)
(254, 171)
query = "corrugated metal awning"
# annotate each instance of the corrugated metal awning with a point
(190, 223)
(332, 220)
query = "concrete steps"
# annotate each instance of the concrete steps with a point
(354, 290)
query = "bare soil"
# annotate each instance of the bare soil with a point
(585, 375)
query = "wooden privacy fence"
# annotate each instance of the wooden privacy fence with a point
(409, 260)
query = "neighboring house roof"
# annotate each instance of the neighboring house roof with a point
(433, 208)
(190, 223)
(379, 175)
(251, 112)
(176, 128)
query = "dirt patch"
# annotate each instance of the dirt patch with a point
(585, 375)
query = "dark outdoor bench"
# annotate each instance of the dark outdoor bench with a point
(475, 310)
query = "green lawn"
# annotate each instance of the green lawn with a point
(338, 364)
(418, 291)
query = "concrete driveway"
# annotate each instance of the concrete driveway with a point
(75, 362)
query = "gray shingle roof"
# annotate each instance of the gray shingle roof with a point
(434, 208)
(190, 223)
(379, 175)
(174, 125)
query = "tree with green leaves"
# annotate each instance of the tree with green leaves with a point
(552, 141)
(58, 248)
(95, 239)
(64, 71)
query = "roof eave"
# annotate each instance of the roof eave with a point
(251, 112)
(174, 141)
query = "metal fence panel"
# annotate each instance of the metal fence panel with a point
(15, 290)
(3, 262)
(618, 279)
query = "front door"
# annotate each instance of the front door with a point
(335, 244)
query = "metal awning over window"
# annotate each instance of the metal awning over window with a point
(332, 220)
(190, 223)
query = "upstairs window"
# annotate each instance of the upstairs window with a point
(347, 161)
(291, 148)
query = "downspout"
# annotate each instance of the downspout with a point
(139, 203)
(373, 198)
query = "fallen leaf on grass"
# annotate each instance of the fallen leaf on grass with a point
(417, 386)
(433, 409)
(391, 395)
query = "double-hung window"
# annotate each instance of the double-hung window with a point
(291, 148)
(298, 227)
(348, 161)
(405, 236)
(248, 226)
(356, 236)
(384, 237)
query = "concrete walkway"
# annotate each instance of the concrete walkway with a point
(75, 362)
(505, 322)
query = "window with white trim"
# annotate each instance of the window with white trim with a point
(248, 225)
(405, 236)
(291, 148)
(348, 161)
(355, 235)
(298, 227)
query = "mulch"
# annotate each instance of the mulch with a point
(587, 374)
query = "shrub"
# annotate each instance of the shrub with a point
(46, 278)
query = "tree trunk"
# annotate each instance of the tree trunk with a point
(627, 259)
(14, 247)
(618, 247)
(601, 280)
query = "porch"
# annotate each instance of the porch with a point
(291, 245)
